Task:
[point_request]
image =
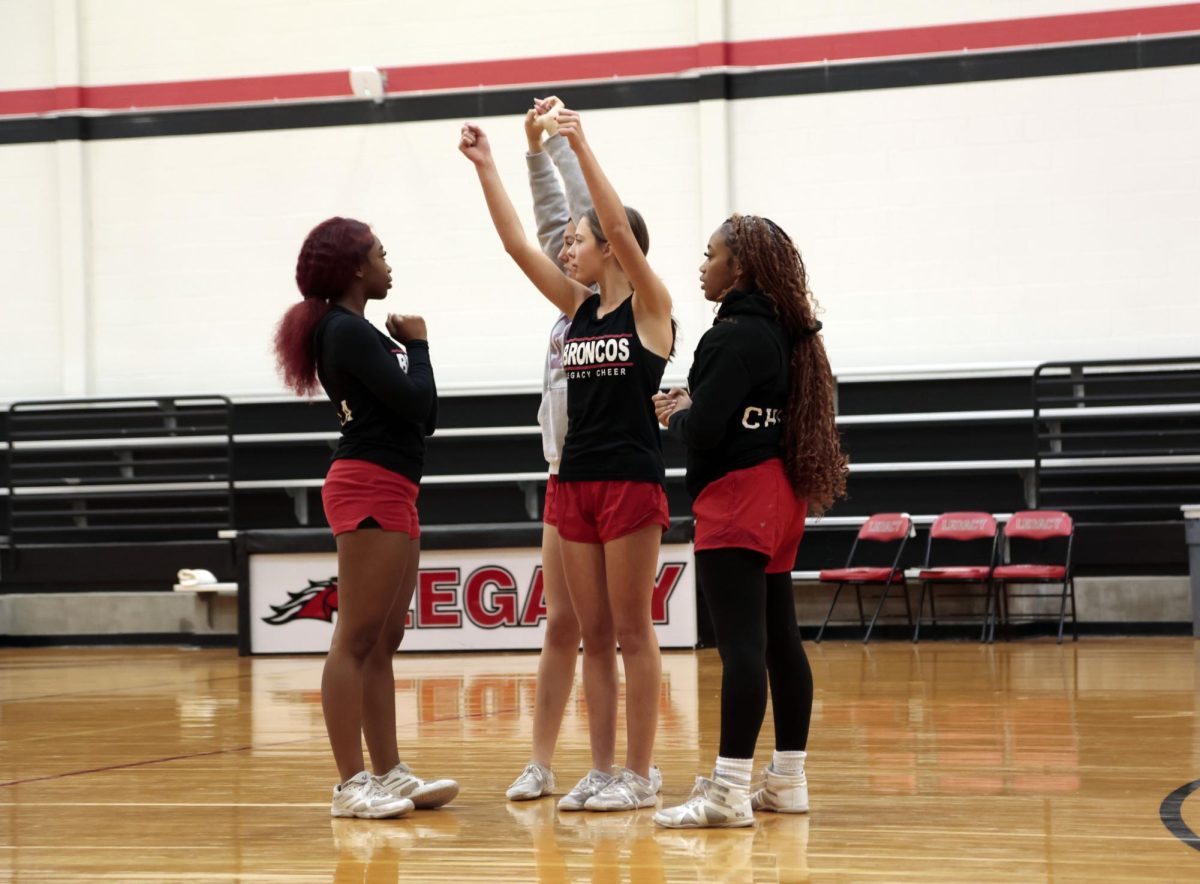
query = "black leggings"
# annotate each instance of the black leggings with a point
(754, 616)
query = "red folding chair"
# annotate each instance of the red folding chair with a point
(881, 528)
(1042, 527)
(975, 529)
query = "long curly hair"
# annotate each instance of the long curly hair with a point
(332, 253)
(813, 456)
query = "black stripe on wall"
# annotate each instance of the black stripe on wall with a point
(894, 74)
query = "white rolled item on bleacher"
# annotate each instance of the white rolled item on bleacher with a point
(195, 577)
(202, 581)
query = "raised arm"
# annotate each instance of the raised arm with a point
(564, 293)
(549, 204)
(578, 198)
(651, 297)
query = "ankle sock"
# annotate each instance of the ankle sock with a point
(790, 764)
(735, 771)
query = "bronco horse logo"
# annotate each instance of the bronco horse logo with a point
(317, 602)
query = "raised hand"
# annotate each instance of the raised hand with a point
(545, 105)
(548, 110)
(570, 127)
(473, 144)
(533, 131)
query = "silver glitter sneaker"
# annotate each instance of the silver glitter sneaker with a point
(401, 782)
(584, 790)
(362, 797)
(626, 791)
(535, 781)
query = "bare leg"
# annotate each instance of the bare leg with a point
(630, 564)
(371, 563)
(584, 566)
(379, 680)
(560, 651)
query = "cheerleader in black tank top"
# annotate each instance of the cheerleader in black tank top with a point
(612, 433)
(762, 447)
(610, 505)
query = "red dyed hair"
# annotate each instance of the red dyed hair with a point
(331, 255)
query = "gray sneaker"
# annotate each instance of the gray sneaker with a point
(535, 781)
(626, 791)
(781, 793)
(578, 797)
(401, 782)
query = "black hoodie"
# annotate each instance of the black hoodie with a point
(739, 389)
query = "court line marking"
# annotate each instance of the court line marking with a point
(1171, 814)
(158, 804)
(75, 773)
(111, 690)
(1168, 715)
(470, 716)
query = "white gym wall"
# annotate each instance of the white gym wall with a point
(1002, 221)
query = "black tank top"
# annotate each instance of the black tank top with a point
(611, 431)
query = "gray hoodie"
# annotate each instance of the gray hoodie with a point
(552, 209)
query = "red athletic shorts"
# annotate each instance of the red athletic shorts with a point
(548, 515)
(597, 512)
(355, 490)
(753, 509)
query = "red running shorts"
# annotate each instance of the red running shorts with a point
(597, 512)
(755, 509)
(355, 490)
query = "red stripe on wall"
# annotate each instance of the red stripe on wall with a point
(240, 90)
(973, 36)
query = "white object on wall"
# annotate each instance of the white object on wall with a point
(369, 82)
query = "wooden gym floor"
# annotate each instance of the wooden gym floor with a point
(941, 762)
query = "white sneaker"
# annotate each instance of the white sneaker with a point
(781, 793)
(361, 797)
(626, 791)
(656, 778)
(535, 781)
(713, 804)
(401, 782)
(584, 790)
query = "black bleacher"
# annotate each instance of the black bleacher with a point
(900, 434)
(1100, 455)
(963, 392)
(99, 491)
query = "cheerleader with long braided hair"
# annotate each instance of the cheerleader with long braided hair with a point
(762, 451)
